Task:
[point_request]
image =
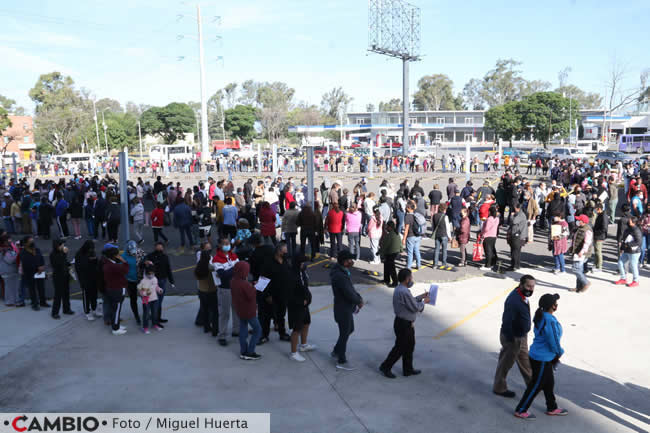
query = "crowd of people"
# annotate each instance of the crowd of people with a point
(255, 279)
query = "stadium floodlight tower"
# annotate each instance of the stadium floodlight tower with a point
(394, 30)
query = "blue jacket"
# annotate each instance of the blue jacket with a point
(182, 215)
(515, 321)
(132, 275)
(546, 345)
(61, 207)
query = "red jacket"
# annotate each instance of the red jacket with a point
(158, 218)
(288, 199)
(334, 221)
(484, 209)
(243, 292)
(115, 275)
(267, 221)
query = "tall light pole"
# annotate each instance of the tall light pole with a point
(140, 136)
(105, 127)
(96, 127)
(204, 99)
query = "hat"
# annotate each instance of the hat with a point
(548, 300)
(583, 218)
(345, 255)
(109, 246)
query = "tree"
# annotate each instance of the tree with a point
(581, 98)
(530, 87)
(5, 122)
(60, 111)
(563, 76)
(335, 103)
(275, 99)
(370, 108)
(503, 83)
(248, 93)
(434, 93)
(472, 95)
(231, 93)
(305, 114)
(240, 122)
(548, 114)
(109, 104)
(171, 122)
(10, 106)
(136, 109)
(505, 120)
(394, 104)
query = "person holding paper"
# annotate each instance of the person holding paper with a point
(406, 307)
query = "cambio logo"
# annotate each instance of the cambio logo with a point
(55, 424)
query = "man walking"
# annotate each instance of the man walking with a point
(582, 248)
(347, 302)
(405, 307)
(515, 325)
(517, 235)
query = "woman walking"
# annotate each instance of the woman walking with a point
(489, 233)
(544, 353)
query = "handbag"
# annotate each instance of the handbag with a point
(454, 243)
(477, 253)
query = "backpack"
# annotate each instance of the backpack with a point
(419, 224)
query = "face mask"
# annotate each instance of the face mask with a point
(225, 248)
(159, 251)
(527, 293)
(410, 284)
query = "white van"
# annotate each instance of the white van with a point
(591, 146)
(561, 153)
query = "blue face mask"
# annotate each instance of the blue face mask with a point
(225, 248)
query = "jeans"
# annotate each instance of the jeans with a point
(579, 269)
(413, 248)
(290, 239)
(633, 259)
(354, 241)
(246, 347)
(345, 323)
(149, 309)
(186, 229)
(559, 262)
(400, 221)
(440, 242)
(137, 229)
(644, 248)
(336, 240)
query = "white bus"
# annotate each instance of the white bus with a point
(68, 159)
(168, 152)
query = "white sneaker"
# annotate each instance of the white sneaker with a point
(306, 347)
(122, 328)
(120, 331)
(297, 357)
(484, 268)
(345, 366)
(97, 313)
(596, 271)
(90, 317)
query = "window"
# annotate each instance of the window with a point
(413, 120)
(6, 139)
(469, 137)
(469, 120)
(25, 140)
(440, 120)
(440, 136)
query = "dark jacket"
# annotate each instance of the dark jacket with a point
(346, 297)
(243, 292)
(163, 269)
(114, 275)
(31, 262)
(634, 245)
(515, 321)
(281, 279)
(258, 260)
(307, 220)
(299, 292)
(622, 225)
(182, 215)
(60, 269)
(86, 267)
(100, 208)
(600, 226)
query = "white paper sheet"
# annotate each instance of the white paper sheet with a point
(433, 294)
(40, 275)
(261, 284)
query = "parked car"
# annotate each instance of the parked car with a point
(561, 153)
(543, 154)
(512, 152)
(285, 150)
(613, 157)
(323, 151)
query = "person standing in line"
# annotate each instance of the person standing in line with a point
(515, 325)
(9, 271)
(157, 223)
(347, 302)
(489, 232)
(243, 299)
(601, 225)
(32, 263)
(334, 225)
(375, 231)
(223, 264)
(298, 309)
(137, 212)
(149, 290)
(545, 353)
(581, 249)
(630, 252)
(307, 220)
(208, 315)
(131, 257)
(114, 270)
(558, 244)
(160, 260)
(516, 235)
(183, 221)
(412, 238)
(113, 218)
(435, 196)
(61, 212)
(353, 227)
(276, 293)
(463, 234)
(405, 307)
(390, 246)
(85, 263)
(441, 233)
(290, 226)
(60, 278)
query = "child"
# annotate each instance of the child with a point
(558, 243)
(149, 291)
(241, 242)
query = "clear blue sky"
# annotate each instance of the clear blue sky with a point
(127, 50)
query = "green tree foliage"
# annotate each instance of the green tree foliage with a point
(582, 99)
(434, 93)
(4, 119)
(240, 122)
(170, 122)
(10, 106)
(503, 83)
(231, 94)
(108, 104)
(276, 101)
(472, 95)
(505, 120)
(394, 104)
(248, 93)
(305, 114)
(548, 113)
(335, 103)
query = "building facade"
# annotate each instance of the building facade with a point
(18, 139)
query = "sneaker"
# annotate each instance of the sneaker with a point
(295, 356)
(525, 415)
(119, 332)
(345, 366)
(558, 412)
(596, 271)
(306, 347)
(97, 313)
(90, 317)
(621, 282)
(157, 328)
(254, 356)
(146, 330)
(485, 269)
(633, 284)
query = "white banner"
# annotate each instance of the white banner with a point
(136, 422)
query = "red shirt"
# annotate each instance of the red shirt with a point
(157, 218)
(334, 221)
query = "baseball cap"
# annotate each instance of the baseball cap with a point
(583, 218)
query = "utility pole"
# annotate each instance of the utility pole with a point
(105, 139)
(405, 105)
(140, 136)
(570, 121)
(96, 127)
(124, 194)
(204, 99)
(310, 176)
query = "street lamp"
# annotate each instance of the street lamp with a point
(105, 127)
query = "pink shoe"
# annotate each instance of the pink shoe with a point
(146, 330)
(633, 284)
(157, 328)
(558, 412)
(525, 415)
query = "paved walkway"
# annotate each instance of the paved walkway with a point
(72, 365)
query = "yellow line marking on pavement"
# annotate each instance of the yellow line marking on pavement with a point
(471, 315)
(184, 269)
(319, 262)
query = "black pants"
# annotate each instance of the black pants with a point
(36, 288)
(209, 312)
(489, 247)
(229, 231)
(345, 323)
(62, 222)
(112, 229)
(99, 224)
(336, 243)
(132, 289)
(515, 253)
(542, 380)
(89, 294)
(265, 314)
(157, 231)
(61, 296)
(113, 307)
(404, 346)
(390, 273)
(313, 242)
(44, 228)
(279, 311)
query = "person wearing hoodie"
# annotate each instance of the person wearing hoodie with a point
(298, 308)
(223, 265)
(132, 256)
(544, 354)
(390, 246)
(60, 278)
(347, 302)
(85, 263)
(276, 293)
(630, 250)
(61, 212)
(114, 270)
(244, 302)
